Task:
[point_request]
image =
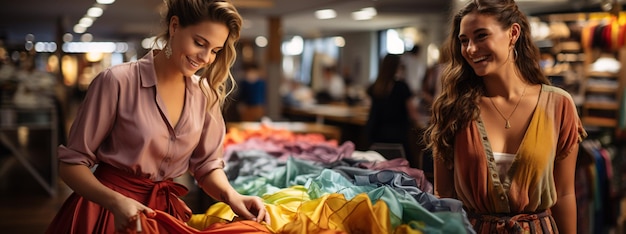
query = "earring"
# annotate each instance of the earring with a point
(514, 54)
(168, 51)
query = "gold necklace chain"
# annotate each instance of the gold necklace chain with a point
(508, 124)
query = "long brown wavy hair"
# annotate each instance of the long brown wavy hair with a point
(458, 103)
(191, 12)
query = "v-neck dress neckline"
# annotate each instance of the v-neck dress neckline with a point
(553, 132)
(504, 183)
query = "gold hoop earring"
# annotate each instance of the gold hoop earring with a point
(168, 51)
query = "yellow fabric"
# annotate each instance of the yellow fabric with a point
(281, 206)
(217, 213)
(334, 212)
(406, 228)
(292, 211)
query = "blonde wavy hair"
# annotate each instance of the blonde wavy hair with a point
(217, 75)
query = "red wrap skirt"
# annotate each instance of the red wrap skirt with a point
(79, 215)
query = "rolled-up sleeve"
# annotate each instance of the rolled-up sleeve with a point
(93, 121)
(208, 154)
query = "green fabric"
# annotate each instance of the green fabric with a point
(295, 172)
(402, 206)
(319, 182)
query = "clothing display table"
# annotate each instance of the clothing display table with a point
(356, 115)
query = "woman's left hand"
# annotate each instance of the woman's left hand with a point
(249, 207)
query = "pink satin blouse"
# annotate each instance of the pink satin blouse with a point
(122, 122)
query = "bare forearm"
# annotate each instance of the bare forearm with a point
(216, 185)
(80, 179)
(564, 213)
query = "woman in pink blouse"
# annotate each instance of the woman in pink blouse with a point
(146, 122)
(504, 140)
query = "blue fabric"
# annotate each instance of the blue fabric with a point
(599, 194)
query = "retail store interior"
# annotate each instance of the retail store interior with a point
(50, 51)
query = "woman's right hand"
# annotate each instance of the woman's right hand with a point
(126, 212)
(80, 178)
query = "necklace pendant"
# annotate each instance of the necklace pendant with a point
(508, 125)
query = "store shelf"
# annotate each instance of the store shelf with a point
(599, 121)
(602, 74)
(601, 89)
(601, 105)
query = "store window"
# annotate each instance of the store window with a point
(303, 57)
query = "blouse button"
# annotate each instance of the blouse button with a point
(491, 159)
(494, 175)
(172, 138)
(484, 138)
(502, 197)
(167, 160)
(161, 172)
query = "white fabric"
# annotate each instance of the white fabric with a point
(503, 163)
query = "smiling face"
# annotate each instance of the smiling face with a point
(196, 46)
(485, 45)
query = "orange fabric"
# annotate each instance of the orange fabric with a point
(615, 45)
(237, 136)
(587, 35)
(79, 215)
(163, 223)
(622, 31)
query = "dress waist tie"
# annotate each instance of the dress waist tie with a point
(510, 224)
(160, 195)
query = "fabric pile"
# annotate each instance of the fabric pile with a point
(314, 185)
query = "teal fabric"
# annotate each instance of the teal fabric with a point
(295, 172)
(319, 181)
(402, 206)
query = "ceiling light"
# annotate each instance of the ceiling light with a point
(147, 43)
(87, 37)
(325, 14)
(79, 29)
(94, 12)
(339, 41)
(94, 56)
(86, 22)
(261, 41)
(29, 37)
(67, 37)
(105, 1)
(44, 47)
(98, 47)
(295, 46)
(364, 14)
